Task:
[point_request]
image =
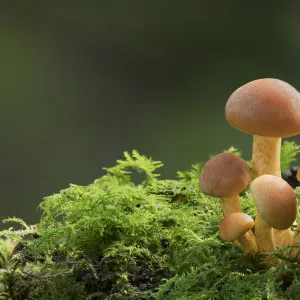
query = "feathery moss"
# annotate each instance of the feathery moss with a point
(115, 239)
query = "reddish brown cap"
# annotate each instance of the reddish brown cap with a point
(265, 107)
(224, 175)
(235, 225)
(275, 201)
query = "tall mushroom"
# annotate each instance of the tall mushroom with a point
(277, 205)
(237, 226)
(225, 176)
(269, 109)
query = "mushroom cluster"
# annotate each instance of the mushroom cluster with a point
(269, 109)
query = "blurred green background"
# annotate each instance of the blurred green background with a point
(81, 83)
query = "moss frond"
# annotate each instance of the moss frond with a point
(140, 163)
(289, 152)
(234, 151)
(192, 174)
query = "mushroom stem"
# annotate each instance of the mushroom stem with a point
(283, 238)
(266, 160)
(264, 235)
(266, 156)
(231, 205)
(265, 240)
(247, 242)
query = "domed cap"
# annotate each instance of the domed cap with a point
(235, 225)
(265, 107)
(224, 175)
(275, 200)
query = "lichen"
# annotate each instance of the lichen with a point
(158, 239)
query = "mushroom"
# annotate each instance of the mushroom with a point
(225, 176)
(269, 109)
(237, 226)
(277, 205)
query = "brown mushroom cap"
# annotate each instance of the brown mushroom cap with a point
(224, 175)
(275, 201)
(265, 107)
(235, 225)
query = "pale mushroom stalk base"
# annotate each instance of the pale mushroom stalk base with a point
(266, 156)
(283, 238)
(247, 242)
(266, 160)
(265, 239)
(264, 235)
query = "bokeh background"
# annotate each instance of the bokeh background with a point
(81, 83)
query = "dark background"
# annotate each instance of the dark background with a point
(81, 83)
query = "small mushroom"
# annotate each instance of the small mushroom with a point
(277, 205)
(269, 109)
(237, 226)
(225, 176)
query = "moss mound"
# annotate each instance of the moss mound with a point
(115, 239)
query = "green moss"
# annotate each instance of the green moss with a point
(115, 239)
